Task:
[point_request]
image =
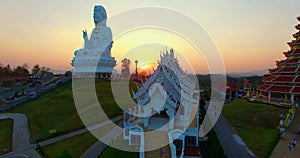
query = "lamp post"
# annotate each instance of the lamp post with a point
(136, 72)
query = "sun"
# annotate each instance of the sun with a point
(147, 66)
(144, 66)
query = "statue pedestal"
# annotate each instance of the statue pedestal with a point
(88, 63)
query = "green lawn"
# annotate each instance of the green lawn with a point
(53, 110)
(56, 110)
(75, 146)
(6, 132)
(256, 124)
(112, 152)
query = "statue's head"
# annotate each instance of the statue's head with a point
(99, 15)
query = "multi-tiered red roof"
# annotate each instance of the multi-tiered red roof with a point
(285, 78)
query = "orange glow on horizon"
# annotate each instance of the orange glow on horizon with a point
(32, 33)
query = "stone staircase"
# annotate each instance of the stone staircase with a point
(160, 137)
(156, 153)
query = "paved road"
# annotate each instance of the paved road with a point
(21, 144)
(232, 144)
(94, 150)
(281, 149)
(98, 147)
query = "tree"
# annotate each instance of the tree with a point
(126, 67)
(1, 69)
(20, 70)
(25, 66)
(36, 69)
(7, 70)
(44, 69)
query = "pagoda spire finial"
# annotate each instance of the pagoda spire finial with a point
(167, 50)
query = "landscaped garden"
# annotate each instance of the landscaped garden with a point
(75, 146)
(112, 152)
(6, 132)
(56, 110)
(78, 145)
(256, 124)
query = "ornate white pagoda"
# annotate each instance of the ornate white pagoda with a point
(95, 60)
(168, 105)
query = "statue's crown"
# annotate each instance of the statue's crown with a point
(99, 8)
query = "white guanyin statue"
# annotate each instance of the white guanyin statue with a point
(96, 54)
(101, 37)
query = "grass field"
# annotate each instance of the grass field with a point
(53, 110)
(112, 152)
(6, 132)
(256, 124)
(75, 146)
(120, 143)
(56, 110)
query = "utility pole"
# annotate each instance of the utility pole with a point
(136, 71)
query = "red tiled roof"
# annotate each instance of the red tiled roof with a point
(296, 90)
(293, 60)
(297, 51)
(285, 79)
(269, 78)
(263, 87)
(288, 53)
(293, 51)
(279, 89)
(297, 79)
(293, 42)
(231, 86)
(274, 70)
(280, 62)
(297, 34)
(290, 43)
(288, 69)
(246, 82)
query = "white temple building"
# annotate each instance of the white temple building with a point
(95, 60)
(167, 107)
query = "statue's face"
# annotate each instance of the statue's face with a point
(99, 14)
(99, 17)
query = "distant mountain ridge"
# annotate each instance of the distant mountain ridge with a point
(251, 73)
(58, 71)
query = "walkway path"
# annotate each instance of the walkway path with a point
(81, 131)
(21, 144)
(281, 149)
(232, 144)
(99, 147)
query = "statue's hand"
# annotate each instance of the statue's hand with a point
(84, 32)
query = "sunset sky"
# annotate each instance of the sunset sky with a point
(250, 35)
